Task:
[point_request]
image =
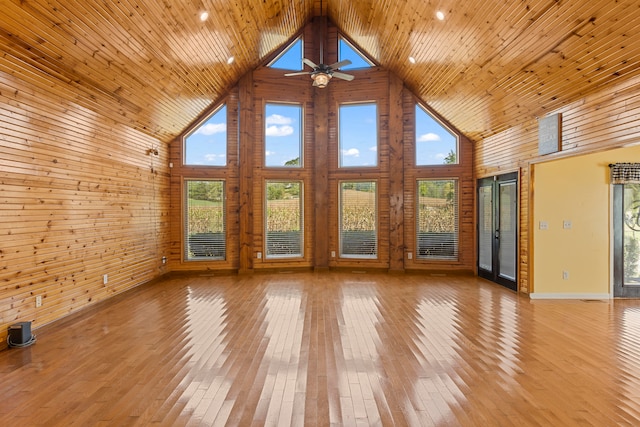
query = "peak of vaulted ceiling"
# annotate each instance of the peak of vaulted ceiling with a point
(484, 65)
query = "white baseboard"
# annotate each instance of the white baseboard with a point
(535, 295)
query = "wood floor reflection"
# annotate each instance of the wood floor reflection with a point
(329, 349)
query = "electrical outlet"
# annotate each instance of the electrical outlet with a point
(409, 255)
(38, 301)
(333, 254)
(164, 259)
(565, 275)
(544, 225)
(566, 224)
(259, 255)
(105, 279)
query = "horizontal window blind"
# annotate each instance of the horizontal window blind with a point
(485, 228)
(205, 224)
(437, 217)
(358, 219)
(283, 219)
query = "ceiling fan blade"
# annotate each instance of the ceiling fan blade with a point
(298, 73)
(309, 62)
(343, 76)
(339, 64)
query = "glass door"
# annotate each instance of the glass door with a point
(498, 229)
(626, 240)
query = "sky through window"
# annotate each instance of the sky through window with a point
(207, 144)
(435, 144)
(283, 136)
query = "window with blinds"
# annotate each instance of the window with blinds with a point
(437, 219)
(204, 228)
(358, 219)
(283, 219)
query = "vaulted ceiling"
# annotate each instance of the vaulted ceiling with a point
(154, 65)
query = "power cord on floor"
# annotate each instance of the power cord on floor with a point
(26, 344)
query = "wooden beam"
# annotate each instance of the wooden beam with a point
(246, 143)
(396, 176)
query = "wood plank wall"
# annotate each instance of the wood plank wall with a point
(603, 120)
(396, 174)
(81, 195)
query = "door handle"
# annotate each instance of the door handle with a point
(497, 234)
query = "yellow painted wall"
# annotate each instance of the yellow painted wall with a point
(576, 189)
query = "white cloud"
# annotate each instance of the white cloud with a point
(374, 148)
(277, 119)
(211, 157)
(211, 128)
(269, 153)
(440, 156)
(427, 137)
(351, 152)
(279, 130)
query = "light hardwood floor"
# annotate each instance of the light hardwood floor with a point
(332, 348)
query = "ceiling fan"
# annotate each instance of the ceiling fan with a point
(322, 73)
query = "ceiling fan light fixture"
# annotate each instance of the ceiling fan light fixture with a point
(321, 80)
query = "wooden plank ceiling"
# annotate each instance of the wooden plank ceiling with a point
(489, 65)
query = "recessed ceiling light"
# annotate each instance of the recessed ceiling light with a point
(440, 15)
(204, 16)
(230, 60)
(412, 59)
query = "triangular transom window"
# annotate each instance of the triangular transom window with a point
(290, 58)
(347, 51)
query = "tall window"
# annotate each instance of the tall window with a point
(358, 219)
(283, 135)
(204, 228)
(206, 145)
(283, 219)
(437, 219)
(358, 135)
(435, 144)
